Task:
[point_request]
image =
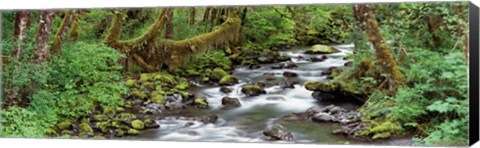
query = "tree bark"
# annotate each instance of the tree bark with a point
(73, 35)
(169, 26)
(22, 18)
(206, 14)
(62, 31)
(382, 52)
(42, 35)
(191, 21)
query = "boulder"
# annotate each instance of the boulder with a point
(323, 96)
(225, 90)
(278, 132)
(313, 110)
(137, 124)
(288, 65)
(253, 90)
(322, 117)
(322, 49)
(228, 102)
(289, 74)
(228, 80)
(217, 74)
(320, 86)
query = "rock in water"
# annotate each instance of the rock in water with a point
(323, 96)
(253, 90)
(228, 80)
(322, 117)
(322, 49)
(289, 74)
(225, 90)
(278, 132)
(228, 102)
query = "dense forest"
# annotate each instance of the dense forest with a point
(344, 74)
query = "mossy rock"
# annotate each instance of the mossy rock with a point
(263, 59)
(218, 74)
(149, 121)
(183, 84)
(133, 131)
(51, 132)
(98, 137)
(103, 126)
(119, 132)
(120, 109)
(85, 128)
(131, 83)
(85, 120)
(158, 98)
(147, 85)
(108, 110)
(201, 102)
(64, 125)
(253, 90)
(322, 49)
(137, 124)
(320, 86)
(228, 80)
(100, 117)
(126, 116)
(66, 132)
(205, 79)
(283, 58)
(128, 104)
(348, 56)
(139, 94)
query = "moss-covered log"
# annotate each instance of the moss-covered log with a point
(383, 53)
(152, 54)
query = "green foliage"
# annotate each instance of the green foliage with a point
(21, 122)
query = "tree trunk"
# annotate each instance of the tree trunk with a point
(42, 35)
(382, 52)
(213, 15)
(73, 35)
(22, 18)
(62, 31)
(169, 26)
(191, 21)
(206, 14)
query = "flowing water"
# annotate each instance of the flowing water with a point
(246, 123)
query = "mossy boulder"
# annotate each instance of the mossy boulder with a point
(182, 84)
(137, 124)
(51, 132)
(64, 125)
(218, 73)
(108, 110)
(66, 132)
(253, 90)
(85, 128)
(148, 85)
(283, 58)
(201, 102)
(103, 126)
(131, 83)
(100, 117)
(139, 94)
(322, 49)
(228, 80)
(119, 132)
(126, 116)
(133, 131)
(320, 86)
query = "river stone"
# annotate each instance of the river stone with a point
(278, 132)
(321, 49)
(288, 65)
(228, 102)
(225, 90)
(336, 110)
(322, 117)
(209, 119)
(173, 102)
(323, 96)
(253, 90)
(254, 66)
(287, 84)
(348, 64)
(228, 80)
(289, 74)
(296, 117)
(320, 86)
(270, 79)
(313, 110)
(188, 124)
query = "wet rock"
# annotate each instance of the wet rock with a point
(276, 98)
(288, 65)
(313, 110)
(348, 117)
(173, 102)
(322, 117)
(320, 86)
(323, 96)
(137, 124)
(296, 117)
(290, 74)
(218, 73)
(133, 131)
(270, 79)
(318, 59)
(268, 74)
(100, 117)
(254, 66)
(152, 108)
(282, 58)
(278, 132)
(225, 90)
(348, 64)
(209, 119)
(188, 124)
(287, 84)
(342, 131)
(150, 123)
(228, 102)
(322, 49)
(253, 90)
(228, 80)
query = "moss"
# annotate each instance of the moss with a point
(381, 135)
(205, 79)
(146, 77)
(126, 116)
(348, 56)
(66, 132)
(149, 121)
(98, 137)
(131, 83)
(133, 131)
(322, 49)
(64, 125)
(147, 85)
(283, 58)
(320, 86)
(201, 103)
(85, 128)
(120, 109)
(51, 132)
(228, 80)
(85, 120)
(158, 98)
(182, 84)
(119, 132)
(103, 126)
(128, 104)
(139, 94)
(164, 77)
(218, 74)
(100, 117)
(137, 124)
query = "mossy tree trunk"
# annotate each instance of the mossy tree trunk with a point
(382, 52)
(151, 54)
(73, 34)
(42, 35)
(22, 18)
(62, 31)
(206, 14)
(169, 26)
(193, 14)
